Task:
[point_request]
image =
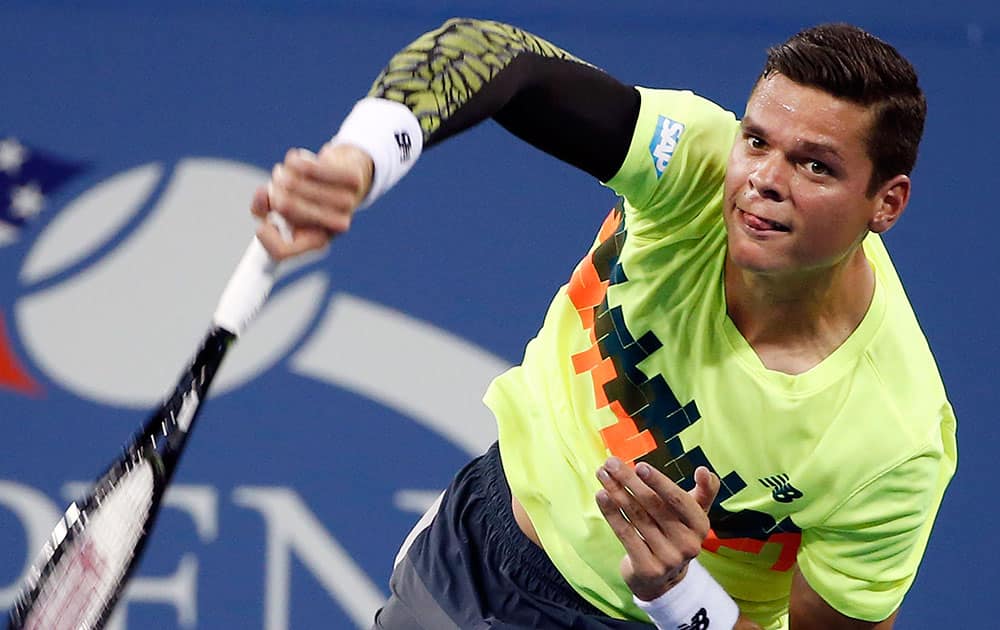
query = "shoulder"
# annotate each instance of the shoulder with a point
(676, 162)
(899, 359)
(680, 120)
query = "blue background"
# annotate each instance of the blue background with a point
(474, 241)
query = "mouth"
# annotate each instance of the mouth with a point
(758, 223)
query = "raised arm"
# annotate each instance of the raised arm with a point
(446, 81)
(469, 70)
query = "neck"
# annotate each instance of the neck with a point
(794, 321)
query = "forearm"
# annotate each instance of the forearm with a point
(469, 70)
(448, 80)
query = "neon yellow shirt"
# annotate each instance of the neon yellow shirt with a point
(838, 471)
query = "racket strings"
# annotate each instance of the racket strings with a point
(85, 580)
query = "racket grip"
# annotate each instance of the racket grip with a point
(250, 284)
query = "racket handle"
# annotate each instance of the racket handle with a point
(250, 284)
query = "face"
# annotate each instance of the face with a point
(797, 180)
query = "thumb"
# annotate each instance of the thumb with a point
(706, 487)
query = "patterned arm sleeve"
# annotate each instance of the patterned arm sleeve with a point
(469, 70)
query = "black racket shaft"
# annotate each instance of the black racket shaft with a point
(159, 444)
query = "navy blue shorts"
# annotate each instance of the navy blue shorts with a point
(474, 568)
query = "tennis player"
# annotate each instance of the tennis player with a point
(730, 417)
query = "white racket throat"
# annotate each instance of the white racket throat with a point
(250, 284)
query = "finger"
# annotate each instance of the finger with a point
(630, 493)
(706, 487)
(343, 164)
(301, 153)
(259, 204)
(635, 545)
(302, 212)
(668, 539)
(300, 184)
(307, 215)
(336, 165)
(657, 493)
(303, 240)
(651, 562)
(677, 503)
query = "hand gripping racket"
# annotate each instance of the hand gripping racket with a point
(81, 571)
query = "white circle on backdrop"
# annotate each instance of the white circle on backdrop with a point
(120, 330)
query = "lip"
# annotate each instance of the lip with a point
(752, 223)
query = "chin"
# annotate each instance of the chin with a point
(755, 258)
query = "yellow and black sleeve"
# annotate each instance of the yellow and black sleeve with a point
(469, 70)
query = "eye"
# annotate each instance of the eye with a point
(818, 168)
(755, 143)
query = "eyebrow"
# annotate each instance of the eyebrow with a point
(805, 146)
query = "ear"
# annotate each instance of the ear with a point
(890, 201)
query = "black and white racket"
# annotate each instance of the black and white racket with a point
(82, 569)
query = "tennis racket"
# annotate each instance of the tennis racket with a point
(82, 569)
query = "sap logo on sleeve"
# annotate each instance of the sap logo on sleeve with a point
(664, 143)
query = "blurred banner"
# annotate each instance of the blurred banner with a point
(131, 140)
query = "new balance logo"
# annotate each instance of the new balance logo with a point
(404, 143)
(781, 490)
(700, 621)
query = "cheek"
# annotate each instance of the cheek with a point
(830, 221)
(736, 174)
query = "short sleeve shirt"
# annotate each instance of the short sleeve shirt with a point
(837, 471)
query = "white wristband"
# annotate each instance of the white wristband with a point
(696, 602)
(388, 132)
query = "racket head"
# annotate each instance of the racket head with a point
(77, 578)
(81, 571)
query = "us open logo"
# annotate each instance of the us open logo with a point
(343, 399)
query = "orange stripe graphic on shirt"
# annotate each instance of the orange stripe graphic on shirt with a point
(648, 416)
(586, 290)
(789, 542)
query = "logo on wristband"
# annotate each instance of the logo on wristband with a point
(699, 621)
(405, 143)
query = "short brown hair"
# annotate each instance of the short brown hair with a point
(850, 63)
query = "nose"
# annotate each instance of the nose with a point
(768, 179)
